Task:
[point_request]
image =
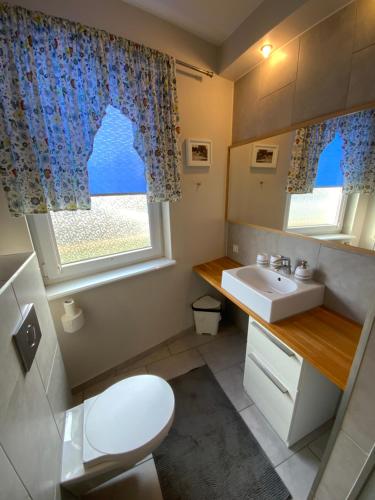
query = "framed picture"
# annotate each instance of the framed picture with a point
(264, 155)
(198, 152)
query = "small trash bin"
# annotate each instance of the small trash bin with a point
(207, 315)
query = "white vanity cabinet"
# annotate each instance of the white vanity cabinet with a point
(293, 395)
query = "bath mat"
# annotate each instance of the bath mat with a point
(210, 454)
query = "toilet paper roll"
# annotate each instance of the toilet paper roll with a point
(73, 319)
(70, 307)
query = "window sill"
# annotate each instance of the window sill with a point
(333, 237)
(66, 288)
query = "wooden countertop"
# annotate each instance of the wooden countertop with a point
(324, 338)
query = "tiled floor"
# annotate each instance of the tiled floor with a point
(224, 354)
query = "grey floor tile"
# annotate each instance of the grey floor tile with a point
(176, 365)
(319, 445)
(224, 352)
(139, 483)
(101, 386)
(231, 380)
(274, 447)
(313, 436)
(188, 341)
(140, 370)
(77, 398)
(298, 473)
(157, 354)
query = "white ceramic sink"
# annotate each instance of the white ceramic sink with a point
(269, 294)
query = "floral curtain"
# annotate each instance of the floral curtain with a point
(358, 164)
(309, 142)
(56, 80)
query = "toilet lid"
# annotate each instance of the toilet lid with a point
(129, 414)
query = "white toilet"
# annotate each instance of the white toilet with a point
(111, 432)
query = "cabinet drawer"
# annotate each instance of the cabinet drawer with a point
(268, 393)
(285, 363)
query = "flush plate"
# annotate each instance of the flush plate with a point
(28, 337)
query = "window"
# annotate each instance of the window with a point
(121, 227)
(321, 211)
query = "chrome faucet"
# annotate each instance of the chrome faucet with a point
(282, 265)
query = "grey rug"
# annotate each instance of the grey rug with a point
(210, 452)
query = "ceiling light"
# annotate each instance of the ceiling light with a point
(266, 50)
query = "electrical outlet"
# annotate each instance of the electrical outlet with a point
(235, 249)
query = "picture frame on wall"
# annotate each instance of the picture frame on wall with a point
(198, 152)
(264, 155)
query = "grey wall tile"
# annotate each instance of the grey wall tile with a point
(298, 249)
(29, 437)
(58, 391)
(252, 241)
(365, 24)
(279, 69)
(359, 422)
(368, 491)
(246, 93)
(10, 484)
(350, 282)
(29, 288)
(29, 434)
(321, 76)
(275, 110)
(343, 467)
(10, 364)
(324, 66)
(362, 78)
(349, 278)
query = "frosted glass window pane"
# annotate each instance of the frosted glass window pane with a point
(321, 207)
(115, 224)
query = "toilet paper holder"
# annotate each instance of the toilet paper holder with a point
(73, 319)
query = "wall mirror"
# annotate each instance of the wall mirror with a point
(335, 163)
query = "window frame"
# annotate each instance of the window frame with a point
(319, 229)
(43, 235)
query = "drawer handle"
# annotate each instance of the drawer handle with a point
(277, 343)
(268, 374)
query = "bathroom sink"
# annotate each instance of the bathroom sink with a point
(271, 295)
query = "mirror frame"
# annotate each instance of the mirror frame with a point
(291, 128)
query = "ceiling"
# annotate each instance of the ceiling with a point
(212, 20)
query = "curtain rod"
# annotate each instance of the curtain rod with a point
(195, 68)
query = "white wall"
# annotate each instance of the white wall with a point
(129, 317)
(126, 318)
(14, 235)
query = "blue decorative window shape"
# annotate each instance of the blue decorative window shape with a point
(329, 170)
(114, 166)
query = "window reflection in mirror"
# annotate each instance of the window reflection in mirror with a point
(258, 196)
(322, 211)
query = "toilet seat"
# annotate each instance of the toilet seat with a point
(127, 419)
